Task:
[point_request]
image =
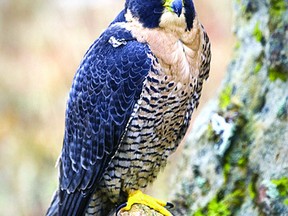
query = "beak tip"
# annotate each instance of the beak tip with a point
(177, 7)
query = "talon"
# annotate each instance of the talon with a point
(118, 209)
(169, 205)
(140, 198)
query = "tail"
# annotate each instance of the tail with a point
(78, 205)
(71, 204)
(53, 209)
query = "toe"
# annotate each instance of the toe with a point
(153, 203)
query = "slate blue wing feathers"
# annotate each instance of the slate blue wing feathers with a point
(105, 89)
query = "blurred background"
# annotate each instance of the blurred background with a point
(41, 46)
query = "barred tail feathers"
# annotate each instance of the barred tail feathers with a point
(53, 209)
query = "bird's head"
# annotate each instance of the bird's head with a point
(158, 13)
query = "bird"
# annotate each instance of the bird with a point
(130, 106)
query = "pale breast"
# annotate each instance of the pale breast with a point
(178, 51)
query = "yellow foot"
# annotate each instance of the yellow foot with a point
(140, 198)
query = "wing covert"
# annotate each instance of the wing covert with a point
(105, 89)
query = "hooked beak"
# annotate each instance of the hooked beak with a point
(176, 6)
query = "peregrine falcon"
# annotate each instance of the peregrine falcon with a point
(129, 107)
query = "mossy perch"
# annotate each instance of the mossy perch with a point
(138, 210)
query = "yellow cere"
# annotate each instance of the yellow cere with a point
(168, 4)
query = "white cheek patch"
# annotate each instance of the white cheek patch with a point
(129, 17)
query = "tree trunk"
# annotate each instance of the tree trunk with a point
(235, 160)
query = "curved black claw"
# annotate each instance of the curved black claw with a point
(120, 207)
(169, 205)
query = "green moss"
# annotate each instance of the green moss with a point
(277, 7)
(231, 196)
(218, 208)
(285, 202)
(257, 33)
(258, 67)
(214, 208)
(225, 97)
(274, 75)
(235, 198)
(227, 168)
(282, 185)
(242, 162)
(222, 206)
(251, 190)
(199, 213)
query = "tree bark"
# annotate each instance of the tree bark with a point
(235, 160)
(138, 210)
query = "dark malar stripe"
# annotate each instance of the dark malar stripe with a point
(189, 13)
